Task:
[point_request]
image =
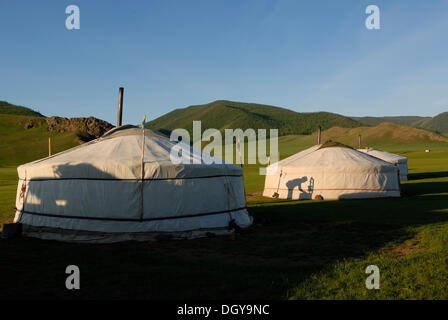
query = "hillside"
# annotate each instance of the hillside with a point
(8, 108)
(438, 123)
(228, 114)
(20, 145)
(403, 120)
(381, 136)
(25, 138)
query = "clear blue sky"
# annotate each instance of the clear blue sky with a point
(303, 55)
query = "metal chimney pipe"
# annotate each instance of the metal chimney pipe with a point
(120, 106)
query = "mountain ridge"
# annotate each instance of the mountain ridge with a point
(222, 114)
(25, 138)
(255, 115)
(438, 123)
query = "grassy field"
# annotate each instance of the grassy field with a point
(295, 250)
(19, 145)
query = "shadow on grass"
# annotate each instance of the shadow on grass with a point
(422, 188)
(427, 175)
(289, 242)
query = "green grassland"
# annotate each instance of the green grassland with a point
(295, 250)
(19, 145)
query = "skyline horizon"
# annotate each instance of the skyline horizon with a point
(217, 100)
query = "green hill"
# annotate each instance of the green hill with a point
(386, 136)
(20, 145)
(224, 114)
(25, 138)
(8, 108)
(24, 133)
(403, 120)
(438, 123)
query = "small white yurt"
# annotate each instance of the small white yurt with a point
(102, 191)
(395, 159)
(331, 171)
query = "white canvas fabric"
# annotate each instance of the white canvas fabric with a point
(400, 161)
(336, 172)
(99, 187)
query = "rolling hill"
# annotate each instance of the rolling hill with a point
(439, 123)
(24, 138)
(386, 135)
(20, 145)
(224, 114)
(403, 120)
(8, 108)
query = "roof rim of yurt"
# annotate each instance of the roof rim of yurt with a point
(130, 130)
(392, 156)
(301, 155)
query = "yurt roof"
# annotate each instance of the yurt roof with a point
(331, 155)
(387, 156)
(118, 154)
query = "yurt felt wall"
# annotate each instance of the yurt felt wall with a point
(331, 171)
(100, 187)
(400, 161)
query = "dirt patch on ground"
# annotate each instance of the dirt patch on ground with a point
(407, 247)
(254, 195)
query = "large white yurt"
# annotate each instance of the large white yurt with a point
(331, 171)
(99, 192)
(400, 161)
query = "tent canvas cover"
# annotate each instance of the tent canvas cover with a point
(98, 191)
(333, 171)
(400, 161)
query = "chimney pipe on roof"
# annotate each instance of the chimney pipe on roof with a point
(120, 106)
(318, 134)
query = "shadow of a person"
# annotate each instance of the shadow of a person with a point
(292, 184)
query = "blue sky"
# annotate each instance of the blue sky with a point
(302, 55)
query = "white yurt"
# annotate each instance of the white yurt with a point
(400, 161)
(102, 191)
(331, 171)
